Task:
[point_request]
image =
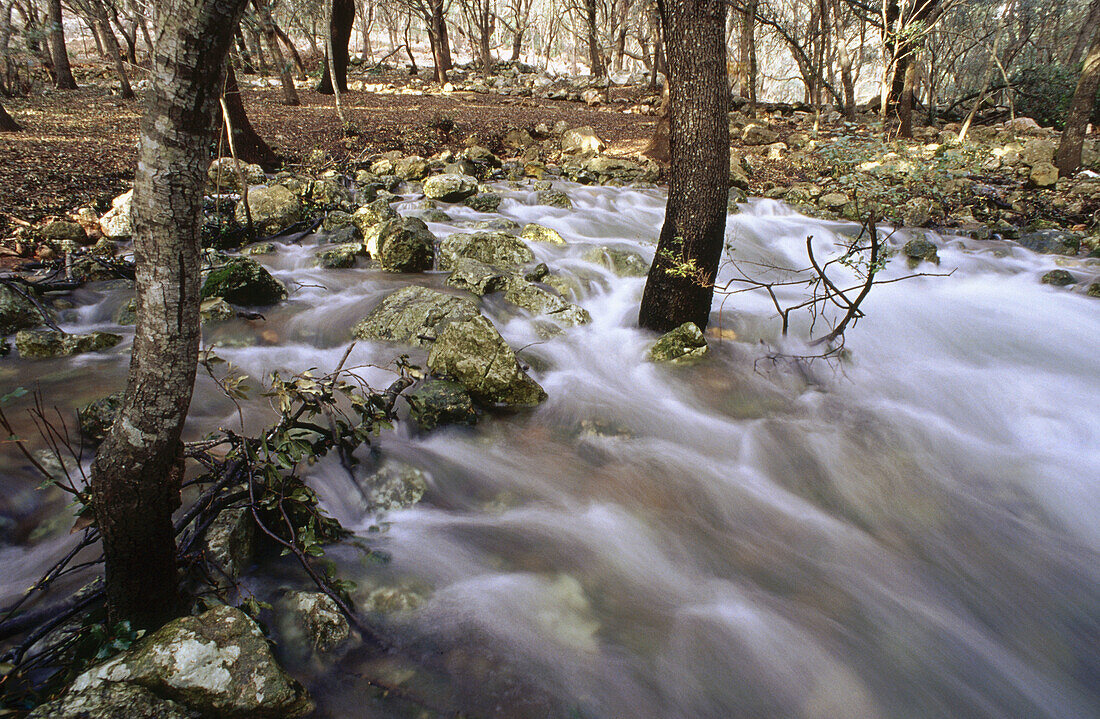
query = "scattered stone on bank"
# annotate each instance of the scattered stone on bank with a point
(683, 345)
(538, 233)
(920, 250)
(215, 664)
(1043, 174)
(554, 198)
(404, 244)
(484, 202)
(412, 167)
(498, 249)
(62, 230)
(395, 485)
(230, 542)
(17, 312)
(758, 134)
(95, 418)
(450, 187)
(624, 263)
(438, 403)
(243, 282)
(273, 209)
(314, 619)
(535, 299)
(582, 141)
(340, 256)
(116, 223)
(224, 175)
(474, 354)
(1058, 278)
(47, 344)
(414, 315)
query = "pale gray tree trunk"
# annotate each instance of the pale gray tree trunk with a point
(135, 476)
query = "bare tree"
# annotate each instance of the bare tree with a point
(63, 74)
(1068, 158)
(341, 19)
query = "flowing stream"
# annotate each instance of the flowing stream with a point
(913, 531)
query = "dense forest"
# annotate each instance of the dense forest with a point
(669, 359)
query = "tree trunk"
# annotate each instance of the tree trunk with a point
(1068, 158)
(906, 99)
(135, 477)
(289, 45)
(595, 55)
(267, 28)
(7, 122)
(245, 55)
(250, 146)
(680, 285)
(63, 74)
(343, 17)
(111, 47)
(1084, 35)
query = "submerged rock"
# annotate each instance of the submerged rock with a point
(478, 278)
(624, 263)
(243, 282)
(394, 486)
(414, 315)
(920, 250)
(538, 233)
(315, 619)
(95, 418)
(439, 402)
(217, 663)
(17, 312)
(498, 249)
(46, 344)
(450, 187)
(683, 345)
(1058, 278)
(404, 244)
(535, 299)
(474, 354)
(273, 209)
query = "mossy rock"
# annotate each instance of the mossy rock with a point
(95, 419)
(1058, 278)
(339, 257)
(554, 198)
(414, 315)
(538, 233)
(404, 244)
(475, 355)
(498, 249)
(920, 250)
(17, 312)
(484, 202)
(48, 344)
(243, 282)
(438, 403)
(683, 345)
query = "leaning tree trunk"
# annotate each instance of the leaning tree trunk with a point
(249, 145)
(112, 48)
(63, 74)
(267, 28)
(343, 17)
(135, 481)
(680, 285)
(1068, 158)
(7, 122)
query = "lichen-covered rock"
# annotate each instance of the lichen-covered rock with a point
(230, 541)
(216, 309)
(339, 256)
(450, 187)
(499, 249)
(1051, 242)
(273, 209)
(96, 418)
(404, 244)
(538, 233)
(535, 299)
(375, 213)
(477, 277)
(619, 169)
(474, 354)
(47, 344)
(330, 192)
(224, 175)
(1043, 174)
(318, 619)
(757, 134)
(17, 312)
(412, 167)
(243, 282)
(484, 202)
(438, 403)
(116, 223)
(554, 198)
(582, 141)
(113, 700)
(624, 263)
(60, 230)
(683, 345)
(414, 315)
(394, 486)
(1058, 278)
(217, 663)
(920, 250)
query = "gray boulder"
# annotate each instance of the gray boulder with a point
(439, 402)
(475, 355)
(414, 315)
(582, 141)
(450, 187)
(624, 263)
(920, 250)
(499, 249)
(273, 208)
(404, 244)
(47, 344)
(478, 278)
(375, 213)
(484, 202)
(1051, 242)
(113, 700)
(535, 299)
(683, 345)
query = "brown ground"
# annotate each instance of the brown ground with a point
(79, 147)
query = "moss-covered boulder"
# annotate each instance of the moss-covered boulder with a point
(498, 249)
(273, 209)
(217, 664)
(338, 257)
(538, 233)
(438, 403)
(414, 315)
(95, 418)
(475, 355)
(404, 244)
(624, 263)
(539, 301)
(683, 345)
(554, 198)
(920, 250)
(484, 202)
(450, 187)
(48, 344)
(17, 312)
(1058, 278)
(243, 282)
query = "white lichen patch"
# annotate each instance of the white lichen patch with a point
(192, 663)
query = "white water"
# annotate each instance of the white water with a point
(912, 534)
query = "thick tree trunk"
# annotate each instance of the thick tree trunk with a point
(267, 28)
(135, 476)
(250, 146)
(7, 122)
(343, 17)
(680, 285)
(1068, 158)
(1085, 34)
(63, 74)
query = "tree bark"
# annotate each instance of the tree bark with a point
(135, 477)
(595, 55)
(680, 285)
(1068, 157)
(63, 74)
(267, 28)
(250, 146)
(1084, 35)
(343, 17)
(112, 49)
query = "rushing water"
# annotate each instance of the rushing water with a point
(913, 532)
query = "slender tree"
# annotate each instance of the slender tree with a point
(267, 28)
(135, 483)
(680, 285)
(1068, 158)
(63, 74)
(343, 17)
